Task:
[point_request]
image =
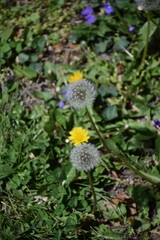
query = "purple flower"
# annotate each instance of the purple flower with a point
(156, 123)
(90, 19)
(61, 104)
(132, 28)
(87, 11)
(108, 8)
(63, 91)
(88, 16)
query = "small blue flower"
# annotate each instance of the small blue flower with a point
(87, 11)
(156, 123)
(132, 28)
(90, 19)
(63, 91)
(61, 104)
(88, 16)
(108, 8)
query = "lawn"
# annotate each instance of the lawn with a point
(80, 120)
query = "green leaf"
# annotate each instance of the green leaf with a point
(5, 47)
(5, 170)
(22, 57)
(46, 96)
(34, 17)
(121, 43)
(37, 67)
(49, 68)
(60, 117)
(39, 43)
(141, 40)
(34, 57)
(101, 47)
(104, 90)
(18, 47)
(70, 176)
(143, 130)
(6, 34)
(112, 145)
(28, 72)
(24, 71)
(110, 113)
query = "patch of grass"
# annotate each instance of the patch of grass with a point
(41, 194)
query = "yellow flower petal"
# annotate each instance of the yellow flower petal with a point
(75, 77)
(78, 135)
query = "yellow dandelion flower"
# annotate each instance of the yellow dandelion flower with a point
(78, 135)
(75, 76)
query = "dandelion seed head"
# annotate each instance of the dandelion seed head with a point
(85, 157)
(80, 94)
(147, 4)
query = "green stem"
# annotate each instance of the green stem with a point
(121, 19)
(149, 16)
(148, 177)
(146, 44)
(97, 130)
(93, 193)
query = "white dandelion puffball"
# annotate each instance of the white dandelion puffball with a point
(80, 94)
(147, 4)
(85, 157)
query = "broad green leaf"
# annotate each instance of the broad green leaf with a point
(121, 43)
(46, 96)
(5, 170)
(29, 73)
(49, 68)
(6, 34)
(142, 35)
(112, 145)
(70, 176)
(39, 43)
(101, 47)
(22, 57)
(110, 113)
(5, 47)
(34, 57)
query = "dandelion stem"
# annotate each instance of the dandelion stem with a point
(97, 130)
(146, 44)
(150, 178)
(93, 192)
(121, 19)
(149, 16)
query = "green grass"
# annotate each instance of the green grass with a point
(41, 194)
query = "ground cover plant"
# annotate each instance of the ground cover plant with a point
(80, 120)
